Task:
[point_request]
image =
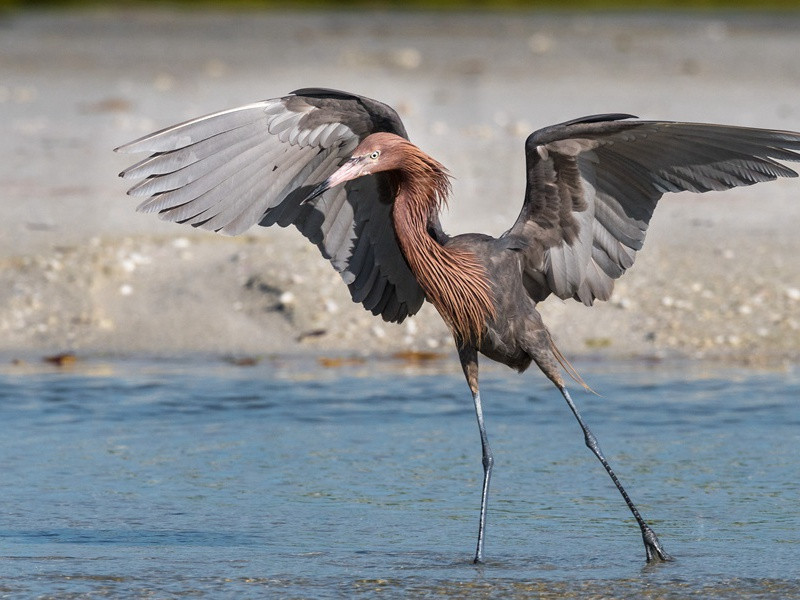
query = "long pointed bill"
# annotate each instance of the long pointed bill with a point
(347, 172)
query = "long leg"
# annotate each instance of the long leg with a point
(545, 353)
(651, 544)
(469, 362)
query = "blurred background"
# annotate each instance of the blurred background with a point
(345, 461)
(82, 271)
(424, 4)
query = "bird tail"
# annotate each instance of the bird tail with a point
(567, 366)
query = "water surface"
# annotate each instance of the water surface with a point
(131, 479)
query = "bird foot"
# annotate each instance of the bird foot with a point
(655, 553)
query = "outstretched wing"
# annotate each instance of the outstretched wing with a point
(257, 163)
(593, 184)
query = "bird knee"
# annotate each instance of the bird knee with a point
(488, 461)
(548, 364)
(591, 441)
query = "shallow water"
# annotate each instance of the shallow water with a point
(131, 479)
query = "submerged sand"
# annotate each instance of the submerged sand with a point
(80, 271)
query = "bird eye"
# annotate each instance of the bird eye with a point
(375, 155)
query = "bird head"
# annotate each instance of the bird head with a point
(374, 154)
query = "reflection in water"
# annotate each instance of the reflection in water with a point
(133, 479)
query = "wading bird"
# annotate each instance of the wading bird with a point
(341, 169)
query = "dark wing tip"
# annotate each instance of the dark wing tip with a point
(551, 132)
(598, 119)
(322, 93)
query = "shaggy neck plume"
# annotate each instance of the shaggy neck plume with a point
(452, 278)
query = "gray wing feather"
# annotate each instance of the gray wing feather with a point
(593, 185)
(203, 128)
(256, 164)
(568, 262)
(337, 231)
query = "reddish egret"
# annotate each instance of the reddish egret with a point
(340, 168)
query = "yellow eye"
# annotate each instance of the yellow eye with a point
(375, 155)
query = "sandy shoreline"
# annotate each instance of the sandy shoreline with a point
(719, 277)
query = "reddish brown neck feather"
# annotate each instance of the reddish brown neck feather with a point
(453, 279)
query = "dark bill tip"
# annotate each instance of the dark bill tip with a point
(350, 170)
(318, 191)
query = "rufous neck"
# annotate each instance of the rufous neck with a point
(453, 279)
